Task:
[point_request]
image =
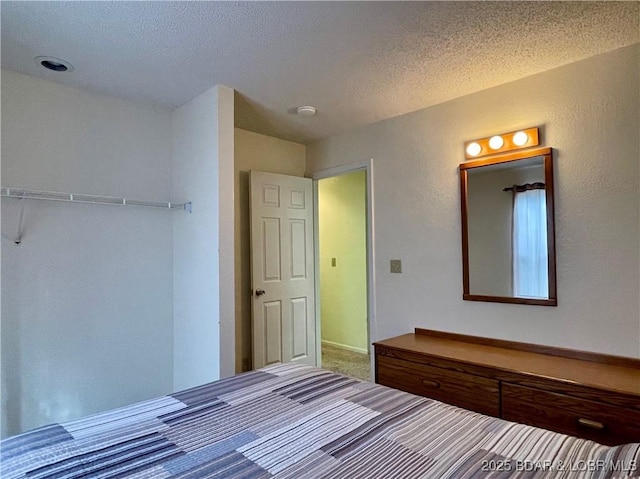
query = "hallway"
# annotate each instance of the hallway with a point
(346, 362)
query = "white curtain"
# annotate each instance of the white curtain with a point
(530, 263)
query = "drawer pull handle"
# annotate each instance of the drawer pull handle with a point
(591, 424)
(431, 384)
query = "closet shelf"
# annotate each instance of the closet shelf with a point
(22, 193)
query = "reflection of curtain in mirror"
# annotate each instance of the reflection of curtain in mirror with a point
(530, 278)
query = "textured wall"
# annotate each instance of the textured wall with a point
(87, 296)
(589, 112)
(264, 153)
(342, 233)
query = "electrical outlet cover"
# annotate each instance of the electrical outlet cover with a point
(396, 266)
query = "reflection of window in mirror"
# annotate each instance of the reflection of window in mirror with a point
(506, 255)
(529, 241)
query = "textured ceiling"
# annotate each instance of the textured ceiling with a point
(357, 62)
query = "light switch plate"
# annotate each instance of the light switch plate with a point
(333, 262)
(396, 266)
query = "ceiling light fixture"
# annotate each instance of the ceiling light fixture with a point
(54, 64)
(306, 110)
(503, 143)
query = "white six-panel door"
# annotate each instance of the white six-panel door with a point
(282, 265)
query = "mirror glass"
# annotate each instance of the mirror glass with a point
(508, 229)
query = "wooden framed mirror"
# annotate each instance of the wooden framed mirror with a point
(508, 228)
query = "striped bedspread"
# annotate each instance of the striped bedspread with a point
(291, 421)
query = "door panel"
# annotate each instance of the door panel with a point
(297, 199)
(298, 252)
(270, 195)
(273, 331)
(299, 327)
(282, 263)
(271, 249)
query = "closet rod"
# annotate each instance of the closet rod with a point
(23, 193)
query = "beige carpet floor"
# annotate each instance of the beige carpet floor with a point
(349, 363)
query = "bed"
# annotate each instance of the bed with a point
(293, 421)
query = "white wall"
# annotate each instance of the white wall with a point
(201, 168)
(226, 249)
(87, 296)
(254, 151)
(589, 112)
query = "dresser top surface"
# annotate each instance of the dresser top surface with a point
(622, 379)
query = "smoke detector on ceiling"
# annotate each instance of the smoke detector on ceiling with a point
(306, 110)
(54, 64)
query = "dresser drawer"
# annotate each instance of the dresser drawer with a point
(453, 387)
(599, 422)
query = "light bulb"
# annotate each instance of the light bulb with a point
(520, 138)
(496, 142)
(473, 149)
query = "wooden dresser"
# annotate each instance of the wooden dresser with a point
(589, 395)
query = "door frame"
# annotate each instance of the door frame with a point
(372, 329)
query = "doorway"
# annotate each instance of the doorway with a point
(342, 273)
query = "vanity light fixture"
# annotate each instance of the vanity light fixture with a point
(473, 149)
(520, 138)
(496, 142)
(503, 143)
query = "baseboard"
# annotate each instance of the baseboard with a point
(345, 346)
